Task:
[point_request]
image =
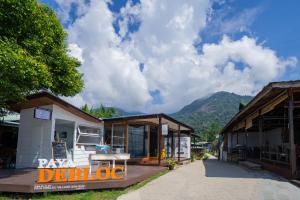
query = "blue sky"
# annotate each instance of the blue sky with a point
(262, 28)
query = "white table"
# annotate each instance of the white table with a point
(110, 157)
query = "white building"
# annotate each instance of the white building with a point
(45, 119)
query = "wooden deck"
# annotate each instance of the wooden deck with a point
(24, 180)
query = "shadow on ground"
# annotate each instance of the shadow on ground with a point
(216, 168)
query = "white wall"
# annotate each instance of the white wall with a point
(80, 155)
(34, 139)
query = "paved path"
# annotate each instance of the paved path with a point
(215, 180)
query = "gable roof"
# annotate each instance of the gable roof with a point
(269, 92)
(47, 98)
(152, 118)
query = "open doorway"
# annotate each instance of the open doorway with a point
(64, 132)
(153, 141)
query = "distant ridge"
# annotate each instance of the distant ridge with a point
(220, 107)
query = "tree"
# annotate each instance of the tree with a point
(210, 133)
(241, 106)
(101, 112)
(33, 52)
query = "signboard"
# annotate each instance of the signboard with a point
(59, 150)
(64, 170)
(164, 129)
(42, 113)
(185, 147)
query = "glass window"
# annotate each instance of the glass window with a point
(107, 135)
(118, 138)
(137, 140)
(89, 135)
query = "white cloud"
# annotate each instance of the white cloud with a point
(227, 20)
(111, 75)
(76, 52)
(164, 42)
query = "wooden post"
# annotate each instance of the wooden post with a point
(260, 132)
(149, 130)
(237, 137)
(178, 142)
(231, 141)
(291, 131)
(172, 145)
(126, 137)
(112, 136)
(159, 140)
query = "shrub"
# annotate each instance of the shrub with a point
(171, 164)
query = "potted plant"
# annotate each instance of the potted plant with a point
(171, 164)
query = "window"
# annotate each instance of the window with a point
(137, 140)
(89, 135)
(118, 138)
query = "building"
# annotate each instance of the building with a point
(46, 119)
(149, 139)
(9, 123)
(267, 130)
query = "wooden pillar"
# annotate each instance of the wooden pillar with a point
(260, 132)
(159, 140)
(291, 133)
(237, 137)
(149, 131)
(126, 137)
(172, 145)
(178, 143)
(112, 136)
(231, 141)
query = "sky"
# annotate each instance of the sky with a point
(160, 55)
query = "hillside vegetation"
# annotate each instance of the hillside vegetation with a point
(218, 108)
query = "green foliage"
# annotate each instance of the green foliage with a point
(218, 108)
(241, 106)
(205, 156)
(33, 52)
(193, 157)
(210, 133)
(171, 163)
(101, 112)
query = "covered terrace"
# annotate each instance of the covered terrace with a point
(267, 129)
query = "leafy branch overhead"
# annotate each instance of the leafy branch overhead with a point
(33, 52)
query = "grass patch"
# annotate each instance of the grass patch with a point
(78, 195)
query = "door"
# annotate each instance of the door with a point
(153, 141)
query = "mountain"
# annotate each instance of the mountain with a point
(121, 112)
(220, 107)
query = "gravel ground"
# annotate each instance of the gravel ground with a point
(215, 180)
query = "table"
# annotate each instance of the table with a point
(110, 157)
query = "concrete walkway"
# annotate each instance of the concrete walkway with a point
(211, 180)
